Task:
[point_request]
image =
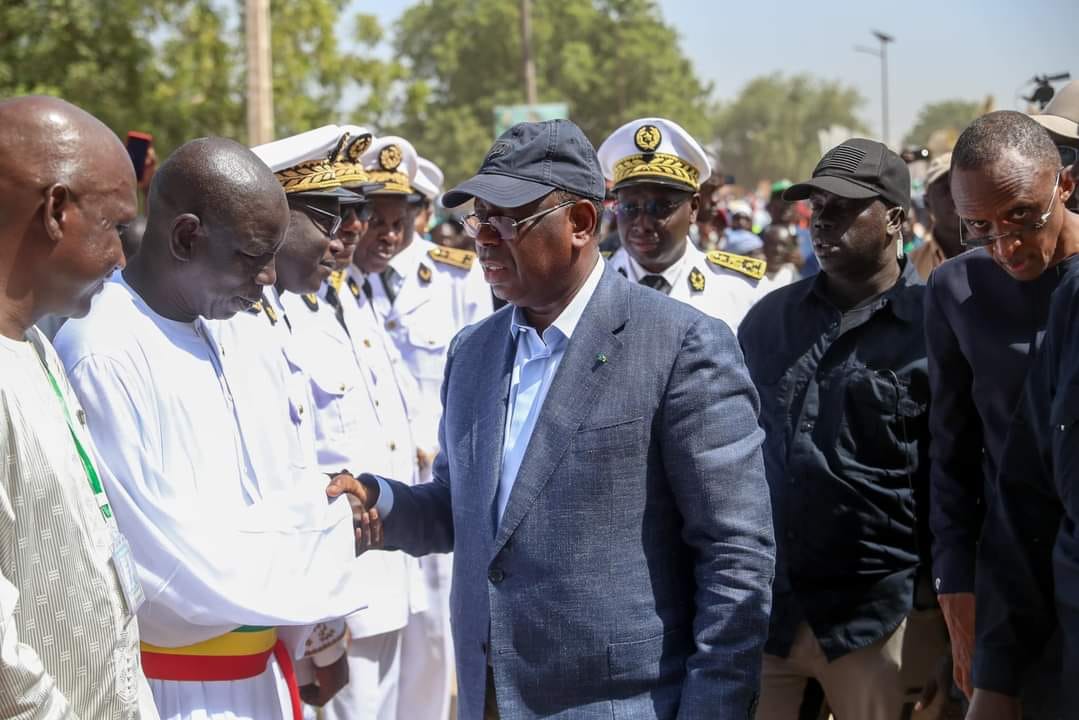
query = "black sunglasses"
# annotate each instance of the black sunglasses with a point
(657, 209)
(326, 221)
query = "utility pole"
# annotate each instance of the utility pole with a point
(259, 64)
(526, 46)
(882, 53)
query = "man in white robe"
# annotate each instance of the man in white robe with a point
(231, 536)
(68, 635)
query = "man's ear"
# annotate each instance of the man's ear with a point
(584, 222)
(694, 206)
(59, 204)
(1068, 179)
(896, 216)
(185, 235)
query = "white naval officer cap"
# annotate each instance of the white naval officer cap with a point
(304, 163)
(392, 161)
(654, 150)
(428, 180)
(355, 140)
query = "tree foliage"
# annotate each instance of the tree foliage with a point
(174, 68)
(948, 115)
(611, 60)
(770, 130)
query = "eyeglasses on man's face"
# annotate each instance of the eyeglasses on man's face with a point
(656, 209)
(971, 232)
(326, 221)
(506, 227)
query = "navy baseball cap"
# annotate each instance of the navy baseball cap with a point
(530, 160)
(858, 169)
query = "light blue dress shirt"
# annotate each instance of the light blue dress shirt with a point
(534, 366)
(535, 363)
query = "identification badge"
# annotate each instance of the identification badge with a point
(124, 565)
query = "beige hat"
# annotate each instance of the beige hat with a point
(1061, 116)
(938, 168)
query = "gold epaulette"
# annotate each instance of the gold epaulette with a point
(748, 266)
(452, 256)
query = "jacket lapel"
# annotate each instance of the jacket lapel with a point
(592, 351)
(493, 389)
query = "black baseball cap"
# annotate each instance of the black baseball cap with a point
(530, 160)
(858, 169)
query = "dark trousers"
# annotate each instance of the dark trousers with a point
(490, 705)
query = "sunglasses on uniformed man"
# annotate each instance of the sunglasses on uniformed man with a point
(326, 221)
(655, 209)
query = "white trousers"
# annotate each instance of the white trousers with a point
(427, 664)
(264, 697)
(374, 680)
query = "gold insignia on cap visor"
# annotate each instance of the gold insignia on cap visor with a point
(310, 175)
(390, 157)
(660, 166)
(394, 181)
(347, 161)
(357, 146)
(647, 138)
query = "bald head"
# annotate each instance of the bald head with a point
(45, 140)
(216, 218)
(1004, 134)
(216, 179)
(67, 187)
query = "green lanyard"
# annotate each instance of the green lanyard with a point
(87, 465)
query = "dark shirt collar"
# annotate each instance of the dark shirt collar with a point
(905, 305)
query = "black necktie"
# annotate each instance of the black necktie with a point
(389, 283)
(335, 302)
(367, 289)
(656, 282)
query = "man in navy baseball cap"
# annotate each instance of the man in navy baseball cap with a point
(531, 160)
(595, 432)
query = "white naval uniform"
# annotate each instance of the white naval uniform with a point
(362, 394)
(727, 294)
(435, 299)
(216, 544)
(252, 348)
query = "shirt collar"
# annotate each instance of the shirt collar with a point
(570, 317)
(404, 261)
(905, 305)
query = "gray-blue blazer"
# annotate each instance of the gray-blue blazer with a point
(631, 574)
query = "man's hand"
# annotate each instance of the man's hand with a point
(958, 609)
(423, 459)
(328, 680)
(362, 497)
(988, 705)
(936, 692)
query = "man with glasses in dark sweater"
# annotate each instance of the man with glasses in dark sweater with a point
(985, 311)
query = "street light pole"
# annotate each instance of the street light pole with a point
(882, 53)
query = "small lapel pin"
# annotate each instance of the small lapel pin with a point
(601, 358)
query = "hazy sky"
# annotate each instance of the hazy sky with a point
(944, 49)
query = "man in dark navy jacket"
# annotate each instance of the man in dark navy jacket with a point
(985, 311)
